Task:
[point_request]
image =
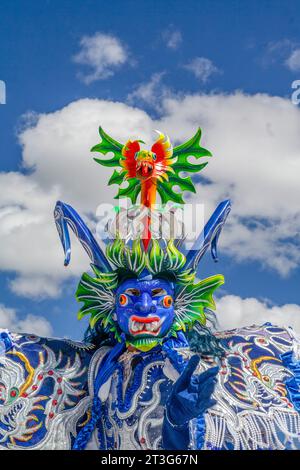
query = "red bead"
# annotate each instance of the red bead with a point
(59, 379)
(54, 402)
(13, 393)
(142, 440)
(51, 415)
(59, 391)
(24, 395)
(40, 376)
(34, 387)
(50, 372)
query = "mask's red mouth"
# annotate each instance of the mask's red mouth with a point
(144, 325)
(144, 169)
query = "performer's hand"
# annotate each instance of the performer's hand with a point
(191, 394)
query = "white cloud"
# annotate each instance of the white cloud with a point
(202, 68)
(102, 54)
(235, 312)
(285, 51)
(172, 38)
(152, 92)
(278, 49)
(293, 61)
(37, 287)
(255, 141)
(33, 324)
(28, 233)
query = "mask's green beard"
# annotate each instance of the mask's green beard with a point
(143, 344)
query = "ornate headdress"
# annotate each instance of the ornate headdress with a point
(147, 173)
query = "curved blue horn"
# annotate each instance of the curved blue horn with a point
(208, 237)
(65, 216)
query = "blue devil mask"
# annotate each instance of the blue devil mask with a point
(145, 310)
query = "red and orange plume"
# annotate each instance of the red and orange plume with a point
(128, 152)
(162, 147)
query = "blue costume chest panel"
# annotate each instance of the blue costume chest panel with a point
(133, 414)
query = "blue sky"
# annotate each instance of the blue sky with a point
(245, 46)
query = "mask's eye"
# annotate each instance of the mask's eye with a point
(158, 291)
(167, 301)
(123, 300)
(154, 156)
(133, 291)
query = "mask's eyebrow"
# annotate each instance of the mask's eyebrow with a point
(158, 291)
(133, 291)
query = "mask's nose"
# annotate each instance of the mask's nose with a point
(144, 304)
